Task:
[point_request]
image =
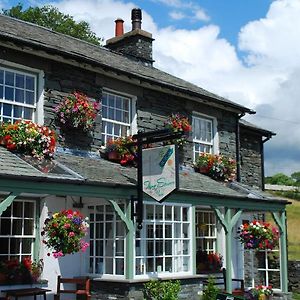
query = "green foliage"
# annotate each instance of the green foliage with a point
(280, 179)
(162, 290)
(50, 17)
(296, 177)
(210, 291)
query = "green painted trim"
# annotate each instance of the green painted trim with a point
(120, 213)
(97, 190)
(228, 222)
(8, 201)
(129, 245)
(193, 240)
(280, 219)
(37, 242)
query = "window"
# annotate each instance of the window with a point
(206, 230)
(107, 240)
(164, 243)
(18, 95)
(268, 266)
(203, 135)
(116, 116)
(17, 230)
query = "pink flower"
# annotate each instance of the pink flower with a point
(71, 234)
(67, 225)
(57, 254)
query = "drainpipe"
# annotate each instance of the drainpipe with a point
(238, 148)
(263, 161)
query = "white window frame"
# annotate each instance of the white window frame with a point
(98, 269)
(181, 257)
(21, 236)
(214, 141)
(211, 238)
(132, 124)
(38, 114)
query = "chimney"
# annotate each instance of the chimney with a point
(135, 44)
(136, 18)
(119, 27)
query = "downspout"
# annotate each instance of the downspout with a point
(238, 148)
(263, 161)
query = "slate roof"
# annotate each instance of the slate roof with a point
(45, 39)
(95, 170)
(258, 129)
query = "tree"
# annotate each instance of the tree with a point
(280, 179)
(50, 17)
(296, 177)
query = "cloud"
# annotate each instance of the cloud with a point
(200, 14)
(177, 15)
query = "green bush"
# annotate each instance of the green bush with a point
(162, 290)
(210, 291)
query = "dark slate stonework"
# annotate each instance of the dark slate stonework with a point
(294, 276)
(191, 288)
(251, 170)
(137, 45)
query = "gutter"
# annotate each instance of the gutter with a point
(263, 160)
(238, 147)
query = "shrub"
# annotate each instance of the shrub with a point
(162, 290)
(210, 292)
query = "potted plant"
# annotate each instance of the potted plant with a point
(120, 150)
(63, 233)
(258, 235)
(77, 111)
(179, 123)
(218, 167)
(208, 262)
(262, 292)
(28, 138)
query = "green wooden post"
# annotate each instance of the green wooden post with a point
(228, 221)
(193, 238)
(280, 219)
(129, 241)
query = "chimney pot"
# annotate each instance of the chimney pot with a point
(136, 18)
(119, 27)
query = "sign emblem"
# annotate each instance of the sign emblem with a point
(159, 172)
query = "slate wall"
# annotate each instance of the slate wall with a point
(251, 168)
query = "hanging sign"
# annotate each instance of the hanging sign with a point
(160, 175)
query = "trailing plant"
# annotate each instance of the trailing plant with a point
(28, 138)
(218, 167)
(179, 123)
(125, 154)
(210, 292)
(77, 111)
(258, 235)
(162, 290)
(64, 232)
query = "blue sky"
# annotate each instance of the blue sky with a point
(245, 50)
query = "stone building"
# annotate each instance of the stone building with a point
(201, 214)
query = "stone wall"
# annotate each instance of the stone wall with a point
(294, 276)
(251, 169)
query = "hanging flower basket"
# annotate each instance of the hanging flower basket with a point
(179, 123)
(28, 138)
(63, 233)
(77, 111)
(218, 167)
(258, 235)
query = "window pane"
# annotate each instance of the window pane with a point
(7, 212)
(9, 78)
(9, 93)
(19, 96)
(20, 80)
(17, 227)
(17, 112)
(119, 266)
(28, 227)
(1, 91)
(5, 227)
(15, 245)
(29, 210)
(30, 83)
(4, 242)
(27, 246)
(29, 98)
(18, 209)
(118, 102)
(7, 109)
